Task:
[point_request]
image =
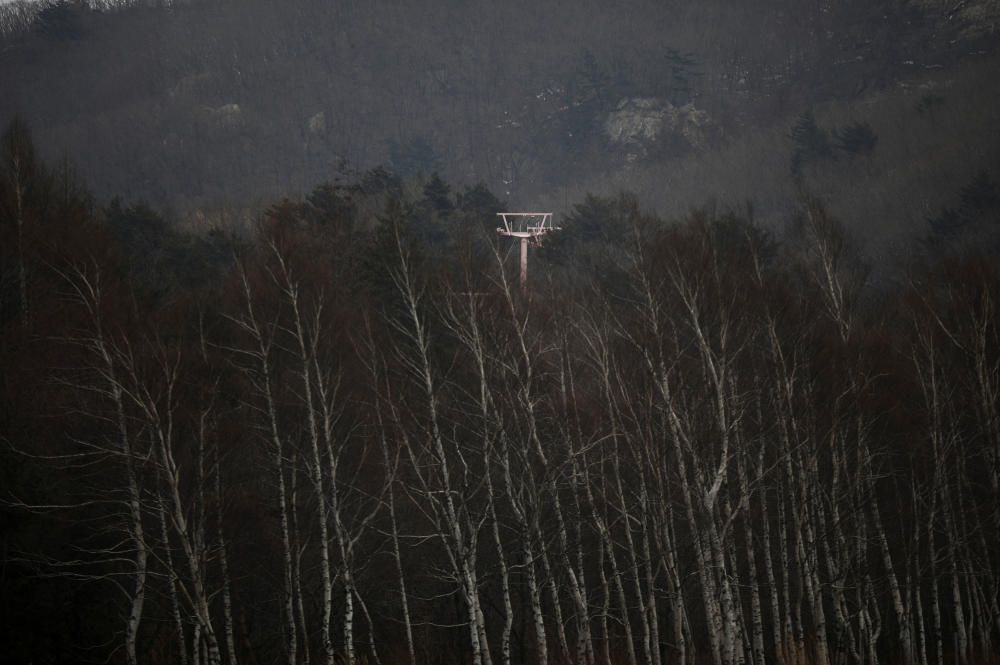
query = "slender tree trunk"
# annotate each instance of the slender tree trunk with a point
(652, 614)
(315, 467)
(295, 539)
(227, 600)
(535, 599)
(187, 534)
(935, 592)
(262, 379)
(550, 582)
(756, 614)
(91, 296)
(679, 608)
(175, 603)
(916, 586)
(605, 601)
(902, 611)
(394, 525)
(508, 609)
(197, 649)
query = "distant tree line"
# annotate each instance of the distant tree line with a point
(345, 435)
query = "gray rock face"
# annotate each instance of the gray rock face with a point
(638, 122)
(227, 115)
(317, 123)
(976, 18)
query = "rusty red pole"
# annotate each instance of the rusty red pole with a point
(524, 265)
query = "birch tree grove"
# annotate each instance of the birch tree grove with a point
(685, 443)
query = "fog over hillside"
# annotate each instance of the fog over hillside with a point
(283, 380)
(206, 104)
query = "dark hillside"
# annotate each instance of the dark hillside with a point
(216, 103)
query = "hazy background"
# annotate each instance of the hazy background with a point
(204, 106)
(748, 398)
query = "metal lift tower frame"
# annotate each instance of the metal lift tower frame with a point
(529, 228)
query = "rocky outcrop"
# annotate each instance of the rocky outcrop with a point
(640, 122)
(316, 124)
(227, 115)
(972, 18)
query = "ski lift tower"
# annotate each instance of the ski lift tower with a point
(530, 228)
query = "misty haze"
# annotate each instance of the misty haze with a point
(468, 332)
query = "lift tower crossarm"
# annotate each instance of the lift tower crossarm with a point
(528, 227)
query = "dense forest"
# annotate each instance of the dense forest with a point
(271, 390)
(345, 435)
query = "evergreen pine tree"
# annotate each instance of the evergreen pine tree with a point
(857, 139)
(811, 142)
(437, 196)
